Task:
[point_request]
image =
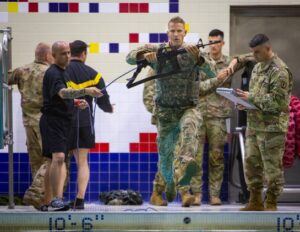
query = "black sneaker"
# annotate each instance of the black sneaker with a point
(44, 208)
(77, 204)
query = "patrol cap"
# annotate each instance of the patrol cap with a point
(257, 40)
(77, 47)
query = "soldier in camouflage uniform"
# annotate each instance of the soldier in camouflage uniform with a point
(269, 90)
(29, 79)
(177, 118)
(214, 109)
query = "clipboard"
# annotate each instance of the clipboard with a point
(232, 96)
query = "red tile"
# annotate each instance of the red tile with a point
(144, 147)
(144, 137)
(104, 147)
(153, 147)
(134, 147)
(133, 7)
(144, 8)
(73, 7)
(96, 148)
(133, 38)
(33, 7)
(23, 0)
(153, 137)
(123, 7)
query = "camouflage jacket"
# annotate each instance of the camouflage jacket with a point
(212, 104)
(176, 78)
(29, 79)
(148, 96)
(270, 90)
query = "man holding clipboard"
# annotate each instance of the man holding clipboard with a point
(269, 91)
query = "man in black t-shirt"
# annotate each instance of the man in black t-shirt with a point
(82, 133)
(55, 123)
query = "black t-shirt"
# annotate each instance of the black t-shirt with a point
(83, 76)
(54, 80)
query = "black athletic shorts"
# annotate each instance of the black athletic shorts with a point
(55, 134)
(82, 137)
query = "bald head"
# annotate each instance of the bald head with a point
(61, 53)
(43, 53)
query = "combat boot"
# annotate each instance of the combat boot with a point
(31, 198)
(171, 192)
(198, 199)
(271, 202)
(255, 202)
(157, 199)
(215, 200)
(186, 198)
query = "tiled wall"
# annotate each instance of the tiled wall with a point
(125, 156)
(109, 171)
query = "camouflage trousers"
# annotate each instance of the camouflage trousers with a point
(34, 148)
(214, 130)
(263, 161)
(34, 194)
(177, 144)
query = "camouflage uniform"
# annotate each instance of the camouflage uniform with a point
(29, 79)
(214, 109)
(269, 90)
(178, 121)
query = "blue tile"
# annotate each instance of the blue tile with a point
(104, 157)
(134, 167)
(153, 167)
(134, 186)
(23, 157)
(3, 158)
(124, 177)
(124, 186)
(144, 167)
(114, 186)
(94, 176)
(23, 188)
(153, 37)
(134, 177)
(114, 177)
(163, 38)
(173, 1)
(63, 7)
(124, 167)
(144, 157)
(134, 157)
(53, 7)
(104, 187)
(174, 8)
(114, 157)
(24, 177)
(124, 157)
(153, 157)
(144, 177)
(4, 167)
(93, 196)
(73, 176)
(94, 7)
(16, 157)
(4, 188)
(144, 187)
(94, 157)
(103, 167)
(104, 177)
(3, 176)
(113, 48)
(114, 167)
(94, 167)
(94, 187)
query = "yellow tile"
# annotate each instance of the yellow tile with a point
(12, 7)
(94, 48)
(187, 27)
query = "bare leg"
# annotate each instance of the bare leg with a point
(58, 174)
(83, 173)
